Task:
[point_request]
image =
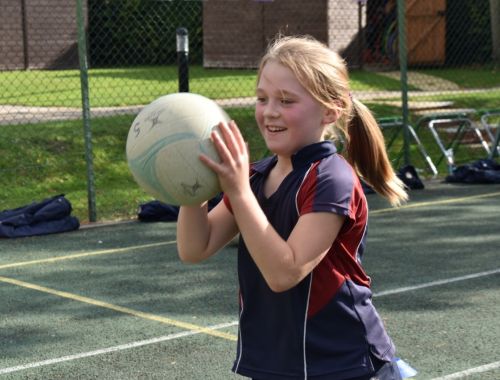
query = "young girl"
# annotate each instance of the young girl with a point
(305, 301)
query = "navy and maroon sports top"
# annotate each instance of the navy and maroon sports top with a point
(326, 326)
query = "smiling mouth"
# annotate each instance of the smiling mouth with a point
(274, 129)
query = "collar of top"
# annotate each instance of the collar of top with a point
(312, 153)
(303, 157)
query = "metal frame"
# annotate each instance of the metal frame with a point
(463, 125)
(495, 152)
(488, 127)
(399, 125)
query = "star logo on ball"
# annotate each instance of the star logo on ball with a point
(154, 117)
(191, 189)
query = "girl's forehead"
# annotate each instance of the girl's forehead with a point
(276, 77)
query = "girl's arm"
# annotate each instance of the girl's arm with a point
(282, 263)
(200, 233)
(285, 263)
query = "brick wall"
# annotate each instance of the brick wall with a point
(344, 30)
(236, 32)
(44, 37)
(11, 35)
(232, 33)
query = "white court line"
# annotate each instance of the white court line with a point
(471, 371)
(112, 349)
(234, 323)
(436, 283)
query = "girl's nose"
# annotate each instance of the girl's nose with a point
(270, 110)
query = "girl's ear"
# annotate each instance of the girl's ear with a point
(330, 116)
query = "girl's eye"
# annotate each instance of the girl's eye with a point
(286, 101)
(261, 99)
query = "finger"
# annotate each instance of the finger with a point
(230, 139)
(221, 147)
(213, 165)
(238, 136)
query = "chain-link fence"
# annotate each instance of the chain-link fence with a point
(127, 55)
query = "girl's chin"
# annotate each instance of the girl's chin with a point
(279, 150)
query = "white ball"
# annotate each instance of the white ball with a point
(164, 144)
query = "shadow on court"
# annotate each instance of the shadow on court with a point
(114, 302)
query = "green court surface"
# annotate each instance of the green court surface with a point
(114, 301)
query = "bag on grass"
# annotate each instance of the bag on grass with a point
(51, 215)
(410, 177)
(481, 171)
(157, 211)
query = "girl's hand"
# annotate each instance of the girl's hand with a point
(233, 170)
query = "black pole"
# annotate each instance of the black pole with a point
(182, 59)
(403, 68)
(25, 35)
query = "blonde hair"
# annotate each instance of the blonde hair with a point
(323, 73)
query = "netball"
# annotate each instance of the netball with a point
(163, 147)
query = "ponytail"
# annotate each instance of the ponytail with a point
(367, 154)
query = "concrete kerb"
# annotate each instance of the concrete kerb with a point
(15, 115)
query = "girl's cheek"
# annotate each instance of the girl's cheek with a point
(258, 116)
(258, 111)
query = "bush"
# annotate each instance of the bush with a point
(142, 32)
(468, 32)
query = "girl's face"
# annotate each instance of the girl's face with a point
(288, 117)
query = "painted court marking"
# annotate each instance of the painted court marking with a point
(436, 283)
(211, 330)
(433, 203)
(113, 349)
(85, 254)
(470, 371)
(120, 309)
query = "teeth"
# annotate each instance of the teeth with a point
(275, 129)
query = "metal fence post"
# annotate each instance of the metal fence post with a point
(403, 67)
(24, 23)
(82, 53)
(495, 29)
(182, 58)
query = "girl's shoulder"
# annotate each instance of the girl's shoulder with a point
(334, 169)
(332, 185)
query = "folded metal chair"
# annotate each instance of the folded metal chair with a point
(457, 128)
(396, 125)
(489, 121)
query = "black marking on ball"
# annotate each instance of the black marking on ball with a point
(154, 118)
(137, 130)
(191, 190)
